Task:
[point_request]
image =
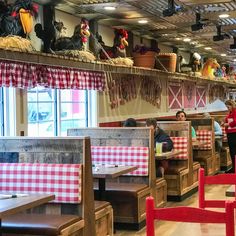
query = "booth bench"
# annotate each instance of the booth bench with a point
(63, 165)
(131, 147)
(182, 173)
(206, 155)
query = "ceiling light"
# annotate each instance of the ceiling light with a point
(177, 38)
(109, 8)
(142, 21)
(234, 59)
(187, 40)
(224, 16)
(223, 55)
(208, 48)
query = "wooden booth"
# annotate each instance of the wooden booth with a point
(205, 152)
(65, 160)
(127, 193)
(182, 172)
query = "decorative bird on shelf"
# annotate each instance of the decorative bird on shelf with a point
(119, 45)
(17, 18)
(51, 43)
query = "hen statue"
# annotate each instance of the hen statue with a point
(119, 45)
(52, 43)
(209, 68)
(17, 18)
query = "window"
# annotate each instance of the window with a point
(73, 109)
(51, 112)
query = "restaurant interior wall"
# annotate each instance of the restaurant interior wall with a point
(137, 108)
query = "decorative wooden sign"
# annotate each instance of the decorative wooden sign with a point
(189, 93)
(201, 96)
(175, 95)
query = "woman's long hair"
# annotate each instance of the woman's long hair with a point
(230, 103)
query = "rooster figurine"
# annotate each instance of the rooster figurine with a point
(119, 45)
(17, 18)
(84, 31)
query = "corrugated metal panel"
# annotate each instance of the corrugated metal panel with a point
(128, 13)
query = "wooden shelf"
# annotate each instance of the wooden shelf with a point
(59, 60)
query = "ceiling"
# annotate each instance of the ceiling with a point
(169, 30)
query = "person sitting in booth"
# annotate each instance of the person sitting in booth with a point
(160, 137)
(217, 128)
(130, 122)
(181, 116)
(218, 132)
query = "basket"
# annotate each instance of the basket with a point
(166, 60)
(145, 60)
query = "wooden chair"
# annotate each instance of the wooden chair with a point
(216, 179)
(182, 214)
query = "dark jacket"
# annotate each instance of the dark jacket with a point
(161, 137)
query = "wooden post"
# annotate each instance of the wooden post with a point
(93, 26)
(48, 25)
(129, 49)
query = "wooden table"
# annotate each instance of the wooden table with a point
(103, 172)
(197, 144)
(230, 192)
(167, 155)
(12, 206)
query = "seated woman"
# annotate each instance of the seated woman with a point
(160, 137)
(181, 116)
(218, 132)
(130, 122)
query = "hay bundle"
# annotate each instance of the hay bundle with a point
(121, 61)
(79, 54)
(16, 43)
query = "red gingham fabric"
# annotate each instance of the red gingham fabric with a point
(127, 156)
(26, 75)
(63, 180)
(19, 75)
(181, 144)
(224, 134)
(204, 136)
(70, 78)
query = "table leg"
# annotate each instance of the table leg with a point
(102, 188)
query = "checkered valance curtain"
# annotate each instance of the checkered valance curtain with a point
(26, 75)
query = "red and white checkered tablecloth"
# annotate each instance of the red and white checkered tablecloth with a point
(120, 155)
(63, 180)
(181, 144)
(27, 75)
(224, 134)
(204, 136)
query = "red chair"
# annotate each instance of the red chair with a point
(181, 214)
(216, 179)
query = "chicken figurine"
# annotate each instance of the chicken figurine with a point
(17, 18)
(84, 31)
